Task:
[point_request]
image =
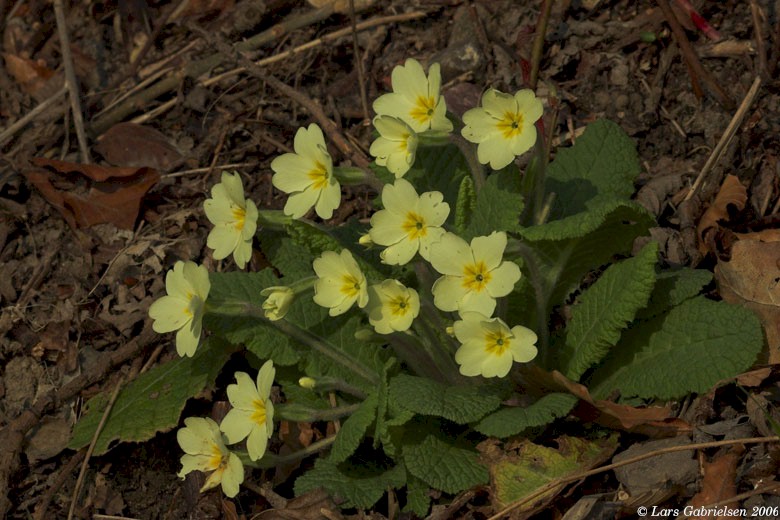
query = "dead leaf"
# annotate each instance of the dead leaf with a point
(653, 421)
(112, 195)
(31, 75)
(754, 378)
(718, 483)
(134, 145)
(342, 6)
(732, 192)
(751, 278)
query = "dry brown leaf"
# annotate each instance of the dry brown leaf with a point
(113, 195)
(131, 144)
(751, 278)
(342, 6)
(732, 192)
(31, 75)
(718, 484)
(653, 421)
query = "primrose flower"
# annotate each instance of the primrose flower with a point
(396, 145)
(341, 282)
(416, 98)
(205, 451)
(503, 126)
(489, 347)
(307, 175)
(187, 285)
(234, 219)
(474, 275)
(409, 223)
(392, 307)
(278, 301)
(252, 415)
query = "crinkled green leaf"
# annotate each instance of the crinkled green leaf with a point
(153, 402)
(566, 250)
(499, 205)
(427, 397)
(359, 486)
(689, 349)
(354, 429)
(443, 465)
(464, 208)
(601, 165)
(514, 420)
(604, 310)
(418, 501)
(672, 288)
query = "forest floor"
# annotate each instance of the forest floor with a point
(79, 272)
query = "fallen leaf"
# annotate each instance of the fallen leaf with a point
(732, 192)
(342, 6)
(112, 195)
(134, 145)
(654, 421)
(751, 278)
(718, 484)
(31, 75)
(754, 378)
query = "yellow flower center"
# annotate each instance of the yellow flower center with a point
(476, 276)
(423, 109)
(215, 458)
(350, 286)
(511, 125)
(414, 226)
(319, 176)
(192, 302)
(399, 306)
(239, 216)
(258, 415)
(496, 343)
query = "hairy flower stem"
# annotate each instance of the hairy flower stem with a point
(271, 460)
(412, 351)
(297, 413)
(541, 297)
(469, 152)
(241, 308)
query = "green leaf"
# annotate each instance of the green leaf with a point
(458, 404)
(566, 250)
(464, 208)
(512, 421)
(353, 429)
(605, 309)
(153, 402)
(672, 288)
(418, 501)
(443, 465)
(689, 349)
(601, 165)
(439, 168)
(499, 205)
(359, 486)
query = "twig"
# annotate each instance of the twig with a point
(98, 431)
(182, 173)
(758, 35)
(35, 112)
(538, 46)
(725, 139)
(64, 474)
(70, 81)
(584, 474)
(695, 67)
(358, 62)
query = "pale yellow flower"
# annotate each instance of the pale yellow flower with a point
(205, 451)
(409, 223)
(234, 219)
(396, 146)
(392, 307)
(277, 302)
(252, 415)
(503, 126)
(416, 98)
(474, 275)
(340, 282)
(187, 285)
(307, 176)
(489, 347)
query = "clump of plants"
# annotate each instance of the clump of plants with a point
(430, 326)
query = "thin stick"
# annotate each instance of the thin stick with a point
(538, 47)
(584, 474)
(358, 62)
(85, 462)
(35, 112)
(70, 81)
(692, 61)
(725, 139)
(758, 35)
